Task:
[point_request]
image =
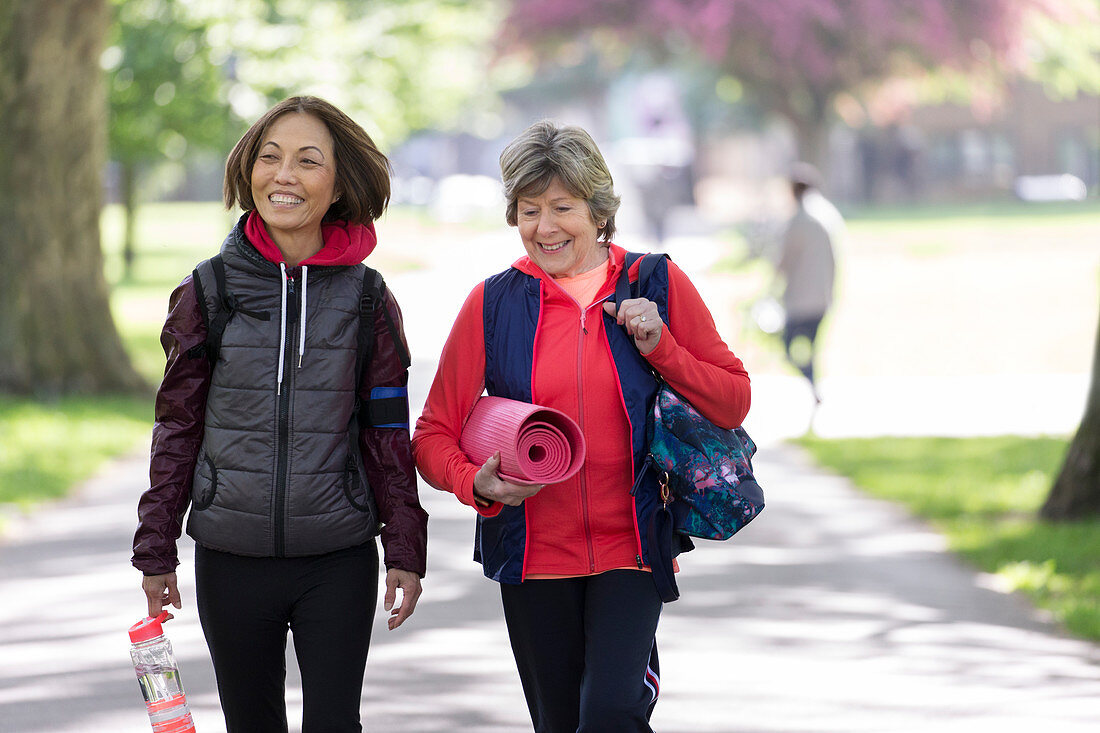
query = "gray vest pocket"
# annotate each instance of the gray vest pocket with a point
(205, 485)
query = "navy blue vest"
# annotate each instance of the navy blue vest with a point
(511, 314)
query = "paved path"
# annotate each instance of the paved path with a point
(832, 612)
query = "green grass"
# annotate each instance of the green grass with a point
(983, 494)
(1007, 213)
(47, 448)
(938, 230)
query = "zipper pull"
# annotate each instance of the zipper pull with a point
(584, 317)
(291, 301)
(638, 559)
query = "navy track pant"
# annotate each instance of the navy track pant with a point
(586, 650)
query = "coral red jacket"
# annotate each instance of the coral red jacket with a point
(586, 524)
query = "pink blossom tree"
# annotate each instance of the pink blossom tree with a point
(794, 57)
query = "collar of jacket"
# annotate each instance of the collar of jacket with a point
(344, 243)
(243, 254)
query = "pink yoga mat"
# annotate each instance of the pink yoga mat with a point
(537, 445)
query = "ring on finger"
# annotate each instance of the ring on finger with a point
(643, 319)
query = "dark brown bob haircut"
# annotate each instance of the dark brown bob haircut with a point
(362, 171)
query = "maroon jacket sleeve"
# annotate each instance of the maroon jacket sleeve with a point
(387, 452)
(177, 434)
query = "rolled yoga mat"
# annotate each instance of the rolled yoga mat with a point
(538, 445)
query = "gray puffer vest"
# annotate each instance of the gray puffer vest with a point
(279, 472)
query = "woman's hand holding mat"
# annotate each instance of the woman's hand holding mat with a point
(537, 445)
(490, 487)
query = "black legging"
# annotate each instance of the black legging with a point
(586, 651)
(247, 604)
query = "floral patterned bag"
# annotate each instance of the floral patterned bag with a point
(705, 472)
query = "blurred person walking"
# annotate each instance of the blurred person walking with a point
(807, 266)
(288, 441)
(573, 559)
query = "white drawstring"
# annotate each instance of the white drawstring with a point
(302, 320)
(282, 330)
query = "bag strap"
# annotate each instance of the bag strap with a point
(646, 268)
(388, 406)
(200, 350)
(369, 299)
(226, 305)
(624, 289)
(374, 296)
(216, 324)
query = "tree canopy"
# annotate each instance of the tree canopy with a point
(795, 57)
(395, 65)
(189, 75)
(166, 92)
(165, 85)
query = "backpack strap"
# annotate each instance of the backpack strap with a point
(369, 299)
(388, 407)
(199, 350)
(625, 290)
(226, 305)
(646, 268)
(623, 287)
(217, 321)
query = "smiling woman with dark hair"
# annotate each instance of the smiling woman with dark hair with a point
(282, 422)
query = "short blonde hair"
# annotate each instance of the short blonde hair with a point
(544, 152)
(362, 171)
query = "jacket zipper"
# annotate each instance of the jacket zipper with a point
(633, 502)
(580, 410)
(580, 414)
(283, 437)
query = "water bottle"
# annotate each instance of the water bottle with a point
(159, 677)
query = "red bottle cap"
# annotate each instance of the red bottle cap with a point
(148, 628)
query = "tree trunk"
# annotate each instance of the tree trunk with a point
(56, 331)
(129, 204)
(812, 137)
(1076, 491)
(812, 147)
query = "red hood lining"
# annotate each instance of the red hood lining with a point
(345, 244)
